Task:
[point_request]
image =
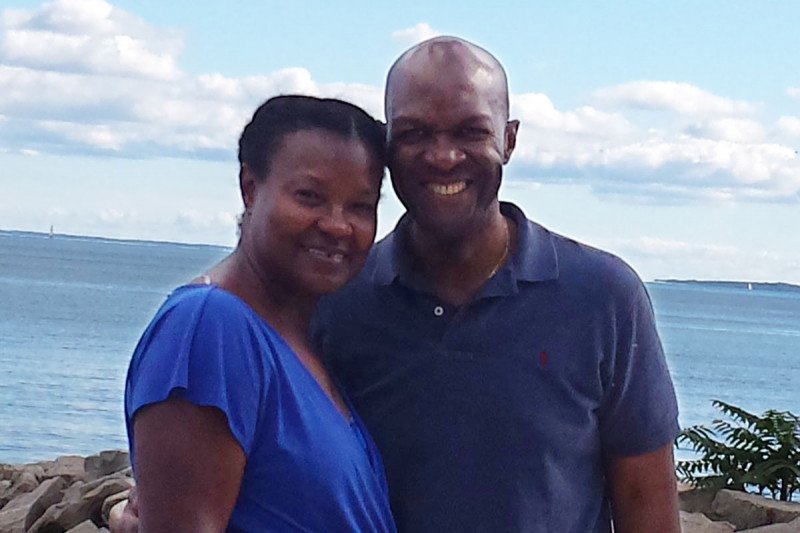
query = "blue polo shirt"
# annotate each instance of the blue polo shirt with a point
(499, 415)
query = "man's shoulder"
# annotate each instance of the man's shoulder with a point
(584, 267)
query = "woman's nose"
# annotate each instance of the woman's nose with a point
(335, 223)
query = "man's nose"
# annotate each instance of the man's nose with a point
(335, 223)
(443, 154)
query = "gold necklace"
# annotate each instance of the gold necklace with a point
(505, 251)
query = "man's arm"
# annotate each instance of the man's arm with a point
(644, 494)
(189, 468)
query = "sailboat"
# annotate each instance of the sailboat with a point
(749, 286)
(51, 231)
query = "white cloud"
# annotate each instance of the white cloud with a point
(85, 76)
(682, 98)
(658, 247)
(107, 82)
(789, 126)
(415, 34)
(737, 130)
(794, 92)
(720, 158)
(656, 257)
(88, 36)
(537, 111)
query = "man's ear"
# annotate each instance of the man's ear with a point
(247, 185)
(510, 139)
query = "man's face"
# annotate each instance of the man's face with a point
(448, 141)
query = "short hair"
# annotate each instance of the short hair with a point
(282, 115)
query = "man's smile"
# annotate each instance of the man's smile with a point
(447, 189)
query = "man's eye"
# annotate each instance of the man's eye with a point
(474, 133)
(412, 135)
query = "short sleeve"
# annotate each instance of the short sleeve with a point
(204, 347)
(640, 412)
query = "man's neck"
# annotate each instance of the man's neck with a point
(456, 268)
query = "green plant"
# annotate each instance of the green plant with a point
(752, 452)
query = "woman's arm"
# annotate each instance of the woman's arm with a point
(188, 467)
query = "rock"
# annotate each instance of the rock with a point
(70, 467)
(81, 502)
(20, 512)
(105, 463)
(788, 527)
(7, 471)
(5, 484)
(35, 469)
(746, 511)
(110, 502)
(50, 492)
(694, 500)
(22, 482)
(700, 523)
(86, 526)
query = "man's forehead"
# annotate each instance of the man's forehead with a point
(462, 68)
(414, 97)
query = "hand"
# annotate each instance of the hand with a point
(124, 516)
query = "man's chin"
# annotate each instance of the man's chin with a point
(450, 229)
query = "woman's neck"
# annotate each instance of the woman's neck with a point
(288, 312)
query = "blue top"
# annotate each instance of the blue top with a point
(308, 468)
(499, 415)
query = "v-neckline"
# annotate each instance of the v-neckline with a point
(349, 417)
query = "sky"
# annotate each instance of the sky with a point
(664, 132)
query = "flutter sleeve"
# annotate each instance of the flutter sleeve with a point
(203, 346)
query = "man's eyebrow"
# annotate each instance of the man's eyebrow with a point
(482, 118)
(407, 121)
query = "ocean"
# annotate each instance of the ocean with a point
(72, 310)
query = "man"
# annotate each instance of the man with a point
(512, 378)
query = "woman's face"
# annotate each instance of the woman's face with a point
(312, 219)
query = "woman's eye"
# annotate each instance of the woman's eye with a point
(365, 207)
(308, 195)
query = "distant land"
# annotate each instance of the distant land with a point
(745, 285)
(106, 239)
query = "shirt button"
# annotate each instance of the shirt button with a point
(438, 310)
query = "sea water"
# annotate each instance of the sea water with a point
(72, 310)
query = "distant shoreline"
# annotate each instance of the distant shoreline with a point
(744, 285)
(46, 235)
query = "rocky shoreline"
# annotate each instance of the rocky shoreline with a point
(71, 494)
(75, 494)
(706, 511)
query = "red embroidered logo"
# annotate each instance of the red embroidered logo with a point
(543, 359)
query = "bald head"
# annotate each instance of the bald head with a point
(452, 59)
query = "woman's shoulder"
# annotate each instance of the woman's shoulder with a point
(204, 300)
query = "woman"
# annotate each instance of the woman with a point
(233, 421)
